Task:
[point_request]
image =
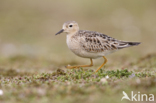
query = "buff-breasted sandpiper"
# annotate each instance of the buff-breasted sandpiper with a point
(91, 44)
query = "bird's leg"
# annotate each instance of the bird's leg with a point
(75, 67)
(102, 64)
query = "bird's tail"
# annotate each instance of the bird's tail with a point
(123, 44)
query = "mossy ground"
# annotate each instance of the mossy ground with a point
(79, 85)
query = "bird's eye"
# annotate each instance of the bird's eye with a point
(70, 26)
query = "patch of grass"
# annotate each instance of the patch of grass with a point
(12, 73)
(75, 85)
(146, 62)
(65, 84)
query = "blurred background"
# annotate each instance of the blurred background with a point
(28, 27)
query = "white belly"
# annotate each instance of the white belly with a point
(73, 45)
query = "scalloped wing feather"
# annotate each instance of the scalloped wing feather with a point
(92, 41)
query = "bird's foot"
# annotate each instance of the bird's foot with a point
(72, 67)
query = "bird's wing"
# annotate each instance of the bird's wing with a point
(92, 41)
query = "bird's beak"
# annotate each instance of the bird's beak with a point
(60, 32)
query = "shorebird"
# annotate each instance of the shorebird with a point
(91, 44)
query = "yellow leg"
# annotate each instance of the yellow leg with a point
(102, 64)
(74, 67)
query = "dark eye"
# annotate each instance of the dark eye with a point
(70, 25)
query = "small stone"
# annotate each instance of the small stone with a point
(138, 81)
(1, 92)
(107, 77)
(103, 81)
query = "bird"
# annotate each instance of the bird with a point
(91, 44)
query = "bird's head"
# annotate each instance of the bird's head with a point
(70, 27)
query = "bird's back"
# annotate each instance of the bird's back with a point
(92, 41)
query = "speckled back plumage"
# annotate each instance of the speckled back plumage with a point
(92, 41)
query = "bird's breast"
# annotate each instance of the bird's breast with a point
(73, 43)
